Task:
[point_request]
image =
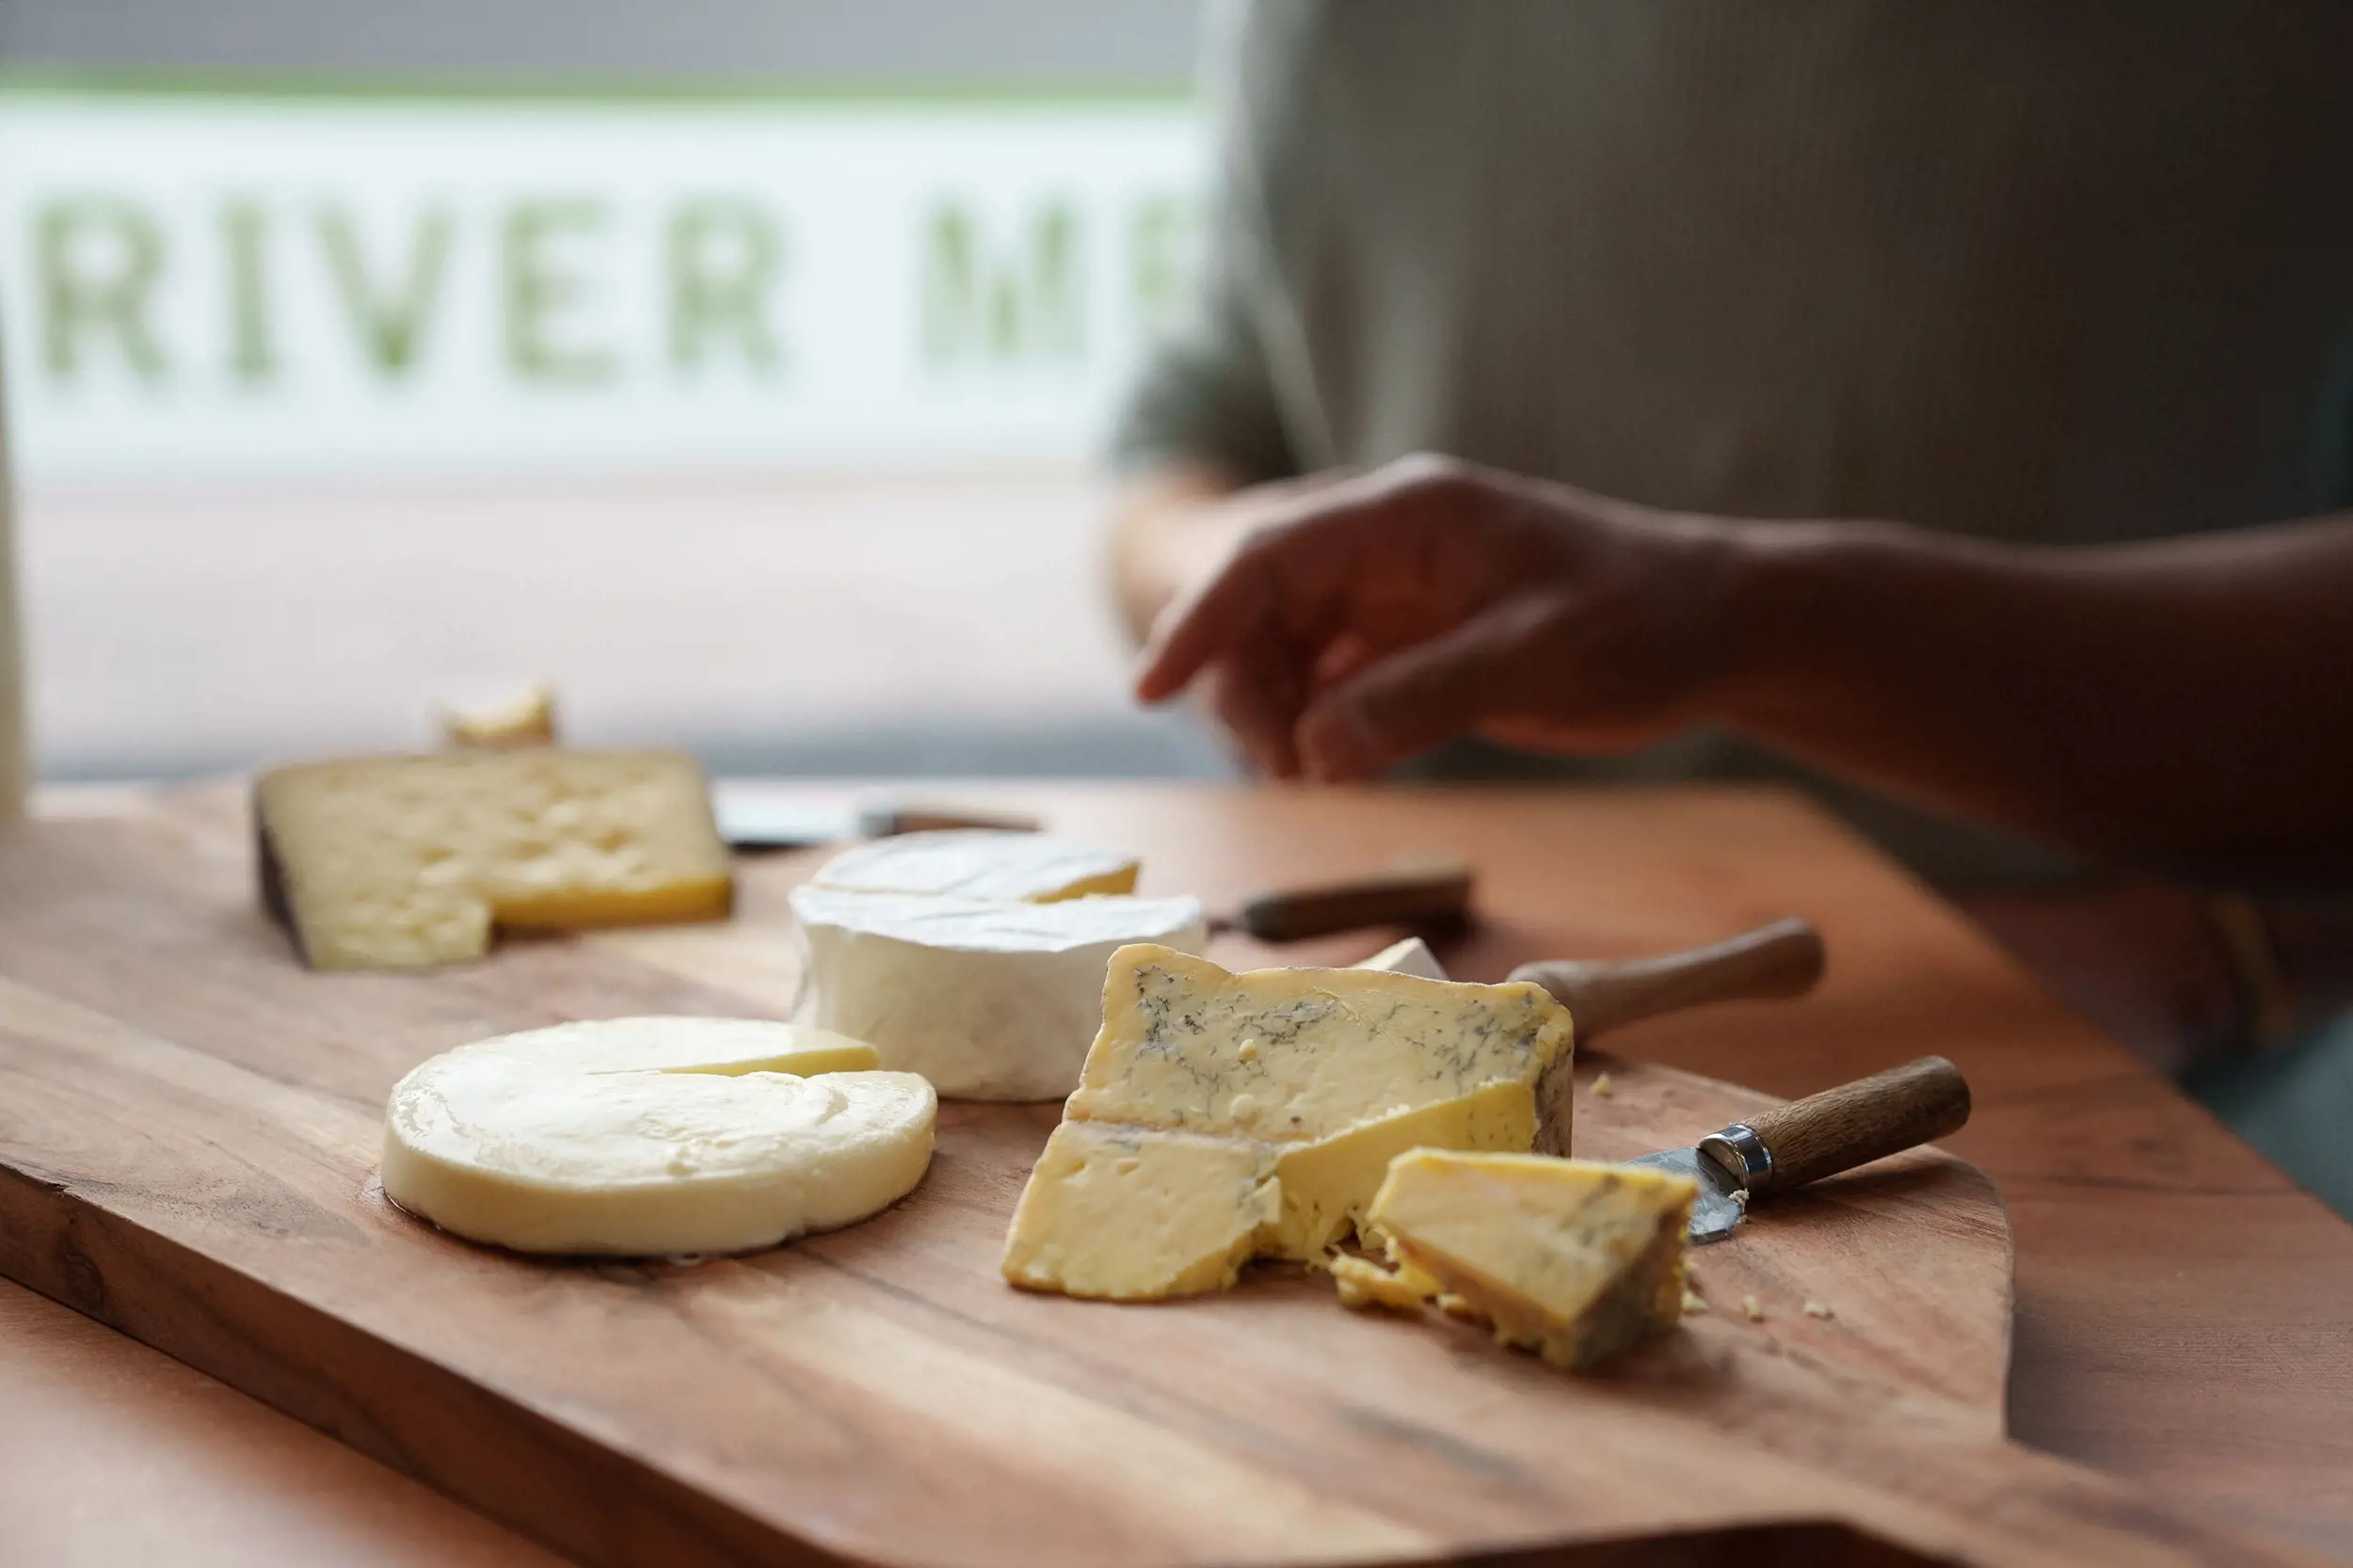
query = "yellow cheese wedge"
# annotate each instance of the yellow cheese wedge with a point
(1572, 1259)
(406, 862)
(1123, 1213)
(1309, 1081)
(652, 1136)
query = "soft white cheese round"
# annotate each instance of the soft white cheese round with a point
(652, 1136)
(989, 1001)
(1031, 868)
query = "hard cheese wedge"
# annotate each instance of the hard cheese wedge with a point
(1571, 1258)
(1122, 1213)
(1022, 868)
(651, 1136)
(406, 862)
(1310, 1079)
(988, 999)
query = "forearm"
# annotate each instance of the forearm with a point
(1166, 533)
(2187, 702)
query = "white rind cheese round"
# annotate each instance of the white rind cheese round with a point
(654, 1136)
(1025, 867)
(989, 1001)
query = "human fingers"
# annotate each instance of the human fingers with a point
(1421, 696)
(1288, 575)
(1258, 718)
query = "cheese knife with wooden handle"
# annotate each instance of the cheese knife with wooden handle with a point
(1791, 1145)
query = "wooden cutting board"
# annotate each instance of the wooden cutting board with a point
(188, 1124)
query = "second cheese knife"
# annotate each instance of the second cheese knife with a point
(1789, 1146)
(1786, 1147)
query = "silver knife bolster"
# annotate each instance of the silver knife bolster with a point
(1740, 1154)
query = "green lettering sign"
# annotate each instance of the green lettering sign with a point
(98, 260)
(390, 321)
(725, 256)
(244, 253)
(540, 291)
(980, 303)
(1163, 241)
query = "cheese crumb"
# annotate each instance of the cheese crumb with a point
(1818, 1310)
(1247, 1050)
(1753, 1310)
(1693, 1302)
(1602, 1089)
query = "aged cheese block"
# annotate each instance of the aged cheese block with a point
(405, 862)
(1572, 1259)
(988, 999)
(650, 1136)
(1312, 1081)
(1025, 867)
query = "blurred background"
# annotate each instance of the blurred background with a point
(739, 365)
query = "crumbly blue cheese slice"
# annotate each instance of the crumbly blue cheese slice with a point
(1572, 1259)
(1310, 1080)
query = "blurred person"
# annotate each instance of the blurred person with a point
(1684, 287)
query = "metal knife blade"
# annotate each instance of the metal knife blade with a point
(752, 818)
(1723, 1201)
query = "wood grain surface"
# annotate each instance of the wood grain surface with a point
(194, 1119)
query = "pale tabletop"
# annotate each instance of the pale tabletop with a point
(2183, 1311)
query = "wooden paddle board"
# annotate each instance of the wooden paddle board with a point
(188, 1130)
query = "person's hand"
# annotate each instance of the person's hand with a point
(1362, 622)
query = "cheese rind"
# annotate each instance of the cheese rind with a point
(651, 1136)
(409, 862)
(975, 863)
(1301, 1054)
(1120, 1213)
(987, 999)
(1572, 1259)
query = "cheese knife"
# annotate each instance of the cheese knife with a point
(1427, 895)
(1784, 1148)
(754, 818)
(1789, 1146)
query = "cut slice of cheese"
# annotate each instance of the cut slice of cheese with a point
(406, 862)
(1021, 868)
(1572, 1259)
(1311, 1078)
(1124, 1213)
(1301, 1054)
(654, 1136)
(989, 1001)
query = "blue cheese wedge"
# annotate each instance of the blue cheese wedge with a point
(1571, 1258)
(1311, 1081)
